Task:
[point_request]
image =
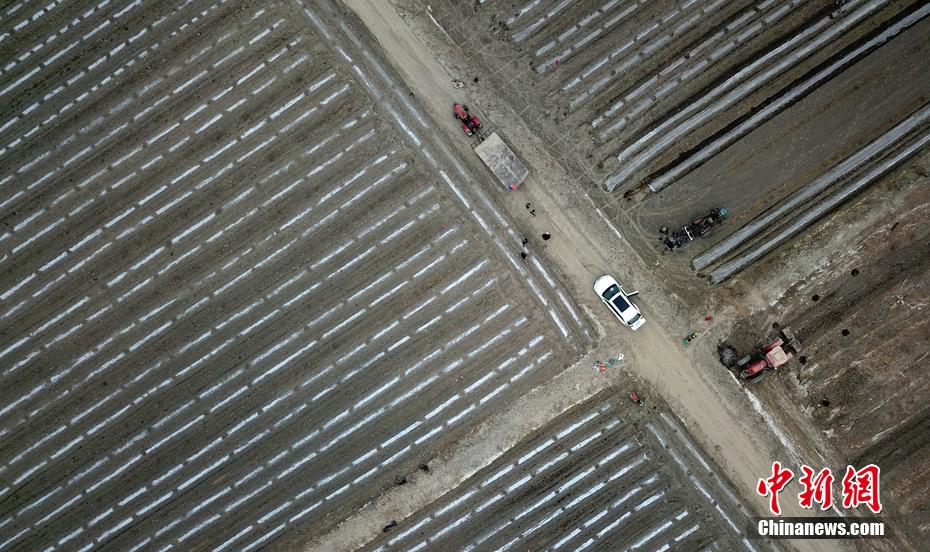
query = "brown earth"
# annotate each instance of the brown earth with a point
(873, 377)
(870, 280)
(226, 327)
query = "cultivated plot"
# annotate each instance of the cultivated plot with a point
(236, 300)
(712, 103)
(603, 476)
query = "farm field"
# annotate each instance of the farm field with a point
(602, 477)
(258, 292)
(807, 122)
(235, 297)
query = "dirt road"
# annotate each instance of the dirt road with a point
(583, 248)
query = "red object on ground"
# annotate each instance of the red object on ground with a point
(470, 124)
(708, 318)
(770, 357)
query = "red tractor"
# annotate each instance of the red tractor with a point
(470, 123)
(776, 354)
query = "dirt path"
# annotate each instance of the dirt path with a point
(582, 249)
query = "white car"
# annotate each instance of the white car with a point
(618, 301)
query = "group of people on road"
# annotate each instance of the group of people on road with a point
(545, 235)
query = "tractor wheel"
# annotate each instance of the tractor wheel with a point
(727, 355)
(465, 107)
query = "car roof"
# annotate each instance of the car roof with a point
(620, 301)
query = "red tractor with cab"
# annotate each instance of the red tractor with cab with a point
(772, 356)
(470, 123)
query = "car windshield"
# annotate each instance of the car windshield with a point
(620, 303)
(635, 319)
(610, 292)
